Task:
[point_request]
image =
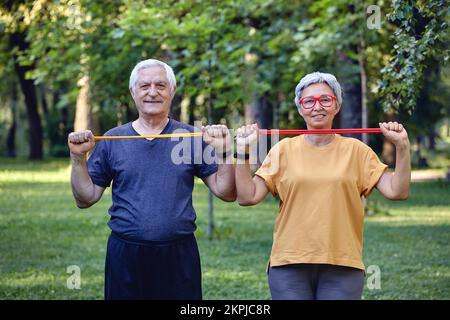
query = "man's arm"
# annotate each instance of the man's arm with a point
(395, 186)
(222, 182)
(85, 192)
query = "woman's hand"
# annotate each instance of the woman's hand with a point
(395, 186)
(246, 136)
(395, 133)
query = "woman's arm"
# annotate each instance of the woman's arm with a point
(395, 186)
(250, 191)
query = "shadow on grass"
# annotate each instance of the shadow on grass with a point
(23, 164)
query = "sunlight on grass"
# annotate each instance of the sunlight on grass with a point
(60, 175)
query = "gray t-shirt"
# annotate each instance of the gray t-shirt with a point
(152, 181)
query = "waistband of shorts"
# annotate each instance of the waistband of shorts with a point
(152, 242)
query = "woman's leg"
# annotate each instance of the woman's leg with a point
(339, 283)
(291, 282)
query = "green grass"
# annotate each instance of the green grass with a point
(42, 232)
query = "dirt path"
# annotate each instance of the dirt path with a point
(427, 175)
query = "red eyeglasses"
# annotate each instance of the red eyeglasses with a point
(324, 100)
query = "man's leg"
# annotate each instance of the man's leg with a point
(121, 270)
(172, 270)
(153, 269)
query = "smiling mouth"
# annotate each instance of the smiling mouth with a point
(152, 101)
(319, 115)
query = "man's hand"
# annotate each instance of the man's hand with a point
(80, 143)
(246, 136)
(218, 136)
(395, 133)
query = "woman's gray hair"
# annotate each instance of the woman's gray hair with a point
(318, 77)
(150, 63)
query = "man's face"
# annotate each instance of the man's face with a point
(152, 92)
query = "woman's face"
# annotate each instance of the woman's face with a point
(318, 117)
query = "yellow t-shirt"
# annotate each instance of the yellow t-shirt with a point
(321, 215)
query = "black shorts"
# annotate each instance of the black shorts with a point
(152, 269)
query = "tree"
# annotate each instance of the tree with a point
(13, 20)
(336, 38)
(422, 31)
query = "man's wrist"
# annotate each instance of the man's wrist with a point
(78, 158)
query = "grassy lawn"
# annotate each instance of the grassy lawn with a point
(42, 233)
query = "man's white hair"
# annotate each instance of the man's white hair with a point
(150, 63)
(318, 77)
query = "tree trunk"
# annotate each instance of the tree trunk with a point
(350, 113)
(175, 110)
(363, 76)
(432, 139)
(83, 107)
(131, 112)
(191, 110)
(43, 100)
(29, 91)
(95, 123)
(11, 139)
(259, 111)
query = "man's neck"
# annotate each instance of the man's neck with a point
(150, 125)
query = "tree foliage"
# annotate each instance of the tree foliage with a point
(225, 53)
(421, 32)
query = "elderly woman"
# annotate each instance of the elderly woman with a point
(319, 179)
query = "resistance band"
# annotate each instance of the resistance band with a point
(261, 131)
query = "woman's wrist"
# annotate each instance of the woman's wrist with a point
(403, 145)
(224, 154)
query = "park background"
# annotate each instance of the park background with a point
(65, 66)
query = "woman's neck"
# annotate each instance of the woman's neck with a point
(319, 140)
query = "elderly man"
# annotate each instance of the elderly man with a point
(152, 252)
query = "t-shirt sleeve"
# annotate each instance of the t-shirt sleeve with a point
(208, 164)
(269, 170)
(99, 167)
(373, 169)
